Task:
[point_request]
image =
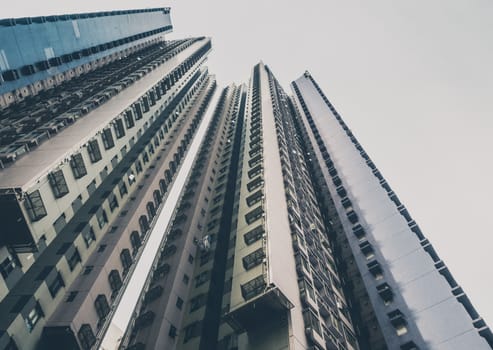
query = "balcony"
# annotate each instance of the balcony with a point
(270, 304)
(323, 308)
(314, 337)
(15, 229)
(330, 343)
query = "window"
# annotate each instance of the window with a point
(74, 259)
(311, 320)
(367, 249)
(410, 345)
(190, 258)
(33, 317)
(202, 278)
(152, 97)
(254, 198)
(162, 186)
(255, 151)
(126, 260)
(86, 337)
(78, 166)
(103, 173)
(102, 218)
(337, 182)
(91, 188)
(143, 224)
(174, 234)
(114, 161)
(168, 251)
(138, 166)
(253, 259)
(253, 235)
(157, 197)
(101, 305)
(34, 206)
(115, 281)
(172, 331)
(359, 231)
(151, 210)
(7, 266)
(153, 293)
(306, 286)
(192, 331)
(119, 129)
(255, 183)
(253, 287)
(122, 188)
(107, 137)
(385, 293)
(255, 171)
(145, 319)
(145, 102)
(129, 120)
(71, 296)
(341, 191)
(94, 151)
(138, 110)
(59, 223)
(179, 303)
(113, 202)
(198, 301)
(399, 322)
(161, 271)
(56, 285)
(123, 150)
(375, 269)
(352, 216)
(186, 278)
(89, 236)
(346, 203)
(88, 269)
(254, 161)
(135, 241)
(254, 215)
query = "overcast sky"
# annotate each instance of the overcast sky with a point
(413, 80)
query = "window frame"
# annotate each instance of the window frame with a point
(79, 169)
(34, 206)
(94, 151)
(107, 138)
(58, 183)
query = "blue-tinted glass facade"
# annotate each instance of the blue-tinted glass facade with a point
(32, 49)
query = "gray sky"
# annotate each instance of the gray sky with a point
(412, 79)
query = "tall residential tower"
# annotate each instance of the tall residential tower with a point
(142, 207)
(98, 115)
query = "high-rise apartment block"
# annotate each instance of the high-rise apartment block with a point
(142, 207)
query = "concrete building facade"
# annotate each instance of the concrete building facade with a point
(87, 163)
(142, 207)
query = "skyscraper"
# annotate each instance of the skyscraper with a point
(402, 292)
(144, 208)
(98, 114)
